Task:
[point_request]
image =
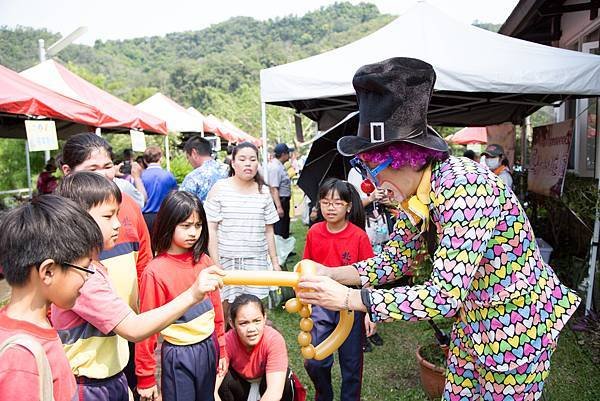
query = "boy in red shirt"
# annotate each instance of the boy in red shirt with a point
(46, 247)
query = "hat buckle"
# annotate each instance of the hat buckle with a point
(377, 132)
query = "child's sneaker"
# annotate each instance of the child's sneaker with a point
(367, 347)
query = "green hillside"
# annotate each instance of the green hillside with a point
(215, 69)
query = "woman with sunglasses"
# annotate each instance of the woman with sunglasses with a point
(338, 240)
(488, 274)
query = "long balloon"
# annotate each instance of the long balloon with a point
(291, 279)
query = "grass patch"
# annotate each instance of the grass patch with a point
(391, 371)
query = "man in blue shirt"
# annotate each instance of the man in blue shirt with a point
(158, 183)
(206, 171)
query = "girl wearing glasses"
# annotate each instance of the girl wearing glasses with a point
(339, 240)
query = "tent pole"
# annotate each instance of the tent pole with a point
(592, 266)
(263, 115)
(524, 131)
(28, 169)
(167, 152)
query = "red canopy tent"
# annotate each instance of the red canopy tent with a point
(123, 115)
(21, 98)
(469, 135)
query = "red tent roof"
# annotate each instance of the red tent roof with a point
(21, 96)
(123, 115)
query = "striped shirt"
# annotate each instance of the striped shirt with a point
(242, 219)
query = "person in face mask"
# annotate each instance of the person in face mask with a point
(494, 156)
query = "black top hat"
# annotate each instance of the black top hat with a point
(393, 97)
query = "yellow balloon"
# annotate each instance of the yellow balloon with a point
(304, 338)
(337, 337)
(306, 324)
(291, 279)
(262, 278)
(308, 352)
(293, 305)
(305, 311)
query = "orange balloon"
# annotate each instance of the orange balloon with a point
(293, 305)
(337, 337)
(306, 324)
(304, 338)
(305, 311)
(308, 352)
(291, 279)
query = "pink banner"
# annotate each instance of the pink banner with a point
(549, 158)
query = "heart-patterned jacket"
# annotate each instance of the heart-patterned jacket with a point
(487, 269)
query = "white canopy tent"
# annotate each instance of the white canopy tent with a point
(483, 78)
(177, 117)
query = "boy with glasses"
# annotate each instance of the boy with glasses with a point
(45, 248)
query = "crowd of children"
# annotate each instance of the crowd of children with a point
(86, 287)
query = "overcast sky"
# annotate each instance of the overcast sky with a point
(123, 19)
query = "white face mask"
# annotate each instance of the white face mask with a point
(492, 162)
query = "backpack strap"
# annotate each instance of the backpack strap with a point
(41, 361)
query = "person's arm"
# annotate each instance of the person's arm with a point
(276, 200)
(270, 234)
(396, 257)
(136, 174)
(274, 183)
(135, 328)
(215, 300)
(213, 241)
(151, 296)
(275, 386)
(212, 207)
(276, 365)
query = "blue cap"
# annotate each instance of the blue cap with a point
(280, 149)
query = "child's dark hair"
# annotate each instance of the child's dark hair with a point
(242, 300)
(48, 227)
(258, 178)
(88, 189)
(347, 193)
(175, 209)
(78, 148)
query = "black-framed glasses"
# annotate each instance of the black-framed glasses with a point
(81, 268)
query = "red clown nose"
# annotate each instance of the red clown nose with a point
(367, 186)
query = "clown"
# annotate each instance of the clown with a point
(509, 307)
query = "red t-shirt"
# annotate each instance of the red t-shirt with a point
(134, 231)
(269, 355)
(348, 246)
(166, 277)
(18, 371)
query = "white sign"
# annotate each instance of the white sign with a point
(41, 135)
(549, 158)
(138, 140)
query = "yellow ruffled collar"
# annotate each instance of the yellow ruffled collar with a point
(416, 207)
